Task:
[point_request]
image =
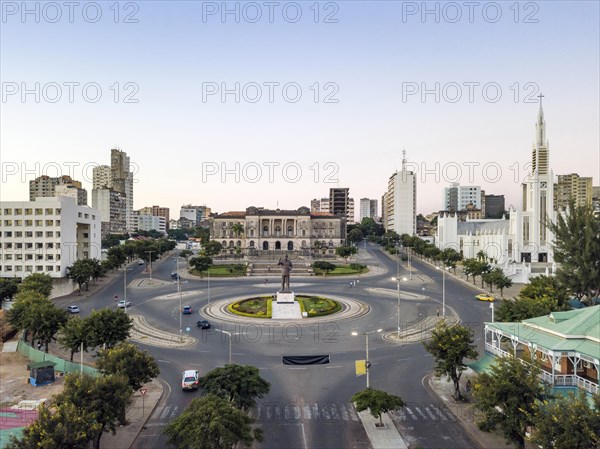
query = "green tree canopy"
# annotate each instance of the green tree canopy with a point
(108, 327)
(127, 359)
(8, 288)
(212, 248)
(239, 384)
(38, 282)
(62, 427)
(105, 398)
(74, 333)
(324, 267)
(577, 250)
(509, 397)
(449, 346)
(201, 263)
(377, 402)
(211, 422)
(345, 251)
(81, 272)
(568, 422)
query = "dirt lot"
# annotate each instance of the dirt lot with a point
(13, 381)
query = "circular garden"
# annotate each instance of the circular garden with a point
(260, 306)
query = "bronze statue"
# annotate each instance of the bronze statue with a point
(286, 268)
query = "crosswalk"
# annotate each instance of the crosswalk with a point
(323, 412)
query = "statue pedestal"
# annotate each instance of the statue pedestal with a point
(285, 297)
(285, 307)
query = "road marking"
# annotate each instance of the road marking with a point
(164, 361)
(315, 409)
(298, 368)
(165, 412)
(345, 415)
(337, 366)
(412, 415)
(353, 413)
(307, 414)
(430, 413)
(418, 410)
(303, 436)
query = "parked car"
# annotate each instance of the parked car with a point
(187, 310)
(141, 262)
(203, 324)
(73, 309)
(122, 304)
(484, 297)
(174, 276)
(190, 380)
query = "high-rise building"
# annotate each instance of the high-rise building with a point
(122, 181)
(572, 187)
(457, 197)
(112, 206)
(47, 236)
(319, 205)
(101, 177)
(384, 210)
(368, 209)
(350, 214)
(194, 214)
(596, 199)
(149, 222)
(494, 206)
(401, 201)
(45, 186)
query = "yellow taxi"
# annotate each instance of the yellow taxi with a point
(484, 297)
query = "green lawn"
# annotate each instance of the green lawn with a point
(223, 271)
(341, 270)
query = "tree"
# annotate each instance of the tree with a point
(509, 397)
(178, 234)
(237, 229)
(211, 422)
(8, 288)
(74, 333)
(186, 254)
(124, 358)
(345, 251)
(449, 346)
(355, 235)
(81, 272)
(540, 297)
(502, 281)
(116, 256)
(108, 327)
(577, 250)
(19, 316)
(104, 397)
(212, 248)
(63, 427)
(323, 266)
(568, 423)
(239, 384)
(201, 263)
(378, 402)
(38, 282)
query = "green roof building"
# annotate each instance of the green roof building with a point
(566, 343)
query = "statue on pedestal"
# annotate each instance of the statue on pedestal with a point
(286, 268)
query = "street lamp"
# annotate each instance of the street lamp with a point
(443, 289)
(180, 299)
(397, 279)
(125, 270)
(150, 260)
(492, 307)
(230, 335)
(367, 363)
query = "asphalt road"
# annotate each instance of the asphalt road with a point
(308, 406)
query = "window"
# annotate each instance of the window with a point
(7, 211)
(8, 245)
(39, 211)
(29, 268)
(28, 234)
(39, 234)
(49, 245)
(18, 211)
(49, 234)
(79, 214)
(7, 268)
(7, 222)
(19, 234)
(7, 233)
(93, 217)
(28, 211)
(49, 222)
(8, 257)
(18, 256)
(19, 245)
(18, 222)
(39, 245)
(39, 268)
(28, 245)
(39, 257)
(18, 267)
(49, 211)
(87, 216)
(39, 222)
(28, 222)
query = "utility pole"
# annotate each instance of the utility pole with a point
(150, 261)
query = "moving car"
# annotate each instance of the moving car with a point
(187, 310)
(484, 297)
(174, 276)
(190, 380)
(73, 309)
(122, 304)
(141, 262)
(203, 324)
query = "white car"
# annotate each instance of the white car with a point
(190, 379)
(141, 262)
(73, 309)
(122, 304)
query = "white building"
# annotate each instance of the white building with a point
(145, 222)
(112, 207)
(524, 237)
(368, 209)
(101, 177)
(401, 201)
(122, 181)
(194, 214)
(457, 197)
(47, 236)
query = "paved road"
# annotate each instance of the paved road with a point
(308, 407)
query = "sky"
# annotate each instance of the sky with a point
(271, 104)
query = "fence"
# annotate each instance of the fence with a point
(61, 365)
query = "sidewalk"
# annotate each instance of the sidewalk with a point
(382, 438)
(466, 414)
(137, 414)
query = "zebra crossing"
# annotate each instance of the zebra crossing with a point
(423, 412)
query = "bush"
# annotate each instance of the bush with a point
(357, 266)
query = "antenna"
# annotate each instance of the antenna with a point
(403, 160)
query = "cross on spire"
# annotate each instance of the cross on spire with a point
(540, 96)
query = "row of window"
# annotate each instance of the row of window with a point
(48, 257)
(30, 234)
(31, 268)
(30, 245)
(30, 211)
(31, 222)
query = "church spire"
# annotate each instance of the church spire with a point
(539, 160)
(541, 125)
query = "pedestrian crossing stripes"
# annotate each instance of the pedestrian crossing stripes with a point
(423, 412)
(316, 412)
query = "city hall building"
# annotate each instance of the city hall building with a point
(278, 230)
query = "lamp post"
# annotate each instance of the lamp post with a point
(208, 274)
(230, 335)
(150, 260)
(180, 299)
(409, 263)
(125, 270)
(443, 290)
(367, 363)
(397, 279)
(492, 307)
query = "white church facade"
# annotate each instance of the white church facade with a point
(524, 238)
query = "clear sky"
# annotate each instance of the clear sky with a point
(292, 98)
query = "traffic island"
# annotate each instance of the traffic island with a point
(418, 332)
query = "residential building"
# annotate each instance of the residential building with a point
(122, 182)
(149, 222)
(112, 207)
(45, 186)
(368, 209)
(457, 197)
(572, 187)
(338, 201)
(566, 344)
(47, 236)
(156, 211)
(494, 206)
(401, 201)
(350, 214)
(195, 214)
(319, 205)
(384, 217)
(596, 199)
(101, 177)
(278, 230)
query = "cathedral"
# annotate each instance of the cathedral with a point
(521, 244)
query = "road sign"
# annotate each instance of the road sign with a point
(360, 367)
(143, 391)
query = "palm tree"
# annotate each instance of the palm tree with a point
(238, 229)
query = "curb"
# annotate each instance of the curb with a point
(162, 391)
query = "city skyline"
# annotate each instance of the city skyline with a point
(379, 63)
